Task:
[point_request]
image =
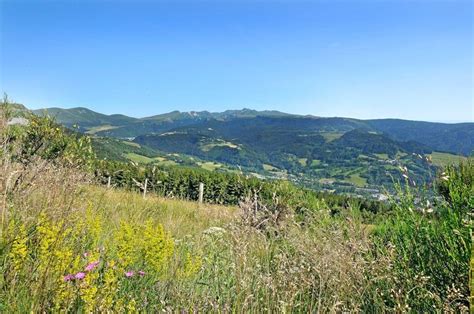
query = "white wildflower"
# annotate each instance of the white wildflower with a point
(214, 231)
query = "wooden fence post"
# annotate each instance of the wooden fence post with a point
(145, 187)
(108, 182)
(256, 201)
(201, 192)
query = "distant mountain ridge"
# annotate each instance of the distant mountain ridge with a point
(344, 155)
(454, 138)
(83, 117)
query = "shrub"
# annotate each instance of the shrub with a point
(432, 244)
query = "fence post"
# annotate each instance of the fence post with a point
(255, 197)
(145, 187)
(201, 192)
(108, 182)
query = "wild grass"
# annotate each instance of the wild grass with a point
(68, 245)
(180, 218)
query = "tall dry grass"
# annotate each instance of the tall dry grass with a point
(276, 266)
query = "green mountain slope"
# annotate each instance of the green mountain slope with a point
(336, 154)
(455, 138)
(278, 148)
(84, 118)
(164, 122)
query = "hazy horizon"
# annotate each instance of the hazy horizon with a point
(360, 59)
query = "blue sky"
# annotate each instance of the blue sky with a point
(362, 59)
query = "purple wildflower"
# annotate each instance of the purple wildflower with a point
(80, 275)
(129, 273)
(91, 266)
(141, 273)
(68, 277)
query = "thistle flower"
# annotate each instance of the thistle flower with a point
(80, 275)
(91, 266)
(141, 273)
(129, 273)
(68, 277)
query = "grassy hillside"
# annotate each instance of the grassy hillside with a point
(446, 159)
(69, 245)
(160, 254)
(179, 217)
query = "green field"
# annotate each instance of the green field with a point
(303, 161)
(331, 136)
(162, 161)
(401, 154)
(315, 162)
(99, 128)
(132, 144)
(211, 166)
(382, 156)
(165, 162)
(357, 180)
(268, 167)
(138, 158)
(220, 143)
(444, 159)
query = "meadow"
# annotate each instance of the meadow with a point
(69, 244)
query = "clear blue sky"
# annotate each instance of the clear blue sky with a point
(363, 59)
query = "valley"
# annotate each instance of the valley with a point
(338, 155)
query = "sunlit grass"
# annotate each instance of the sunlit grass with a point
(445, 159)
(99, 128)
(357, 180)
(181, 218)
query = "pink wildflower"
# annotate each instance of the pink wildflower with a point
(68, 277)
(80, 275)
(91, 266)
(129, 273)
(141, 273)
(85, 254)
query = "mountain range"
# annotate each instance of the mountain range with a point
(341, 154)
(456, 138)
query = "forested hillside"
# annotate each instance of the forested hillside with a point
(455, 138)
(334, 154)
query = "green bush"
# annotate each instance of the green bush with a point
(432, 244)
(456, 185)
(45, 139)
